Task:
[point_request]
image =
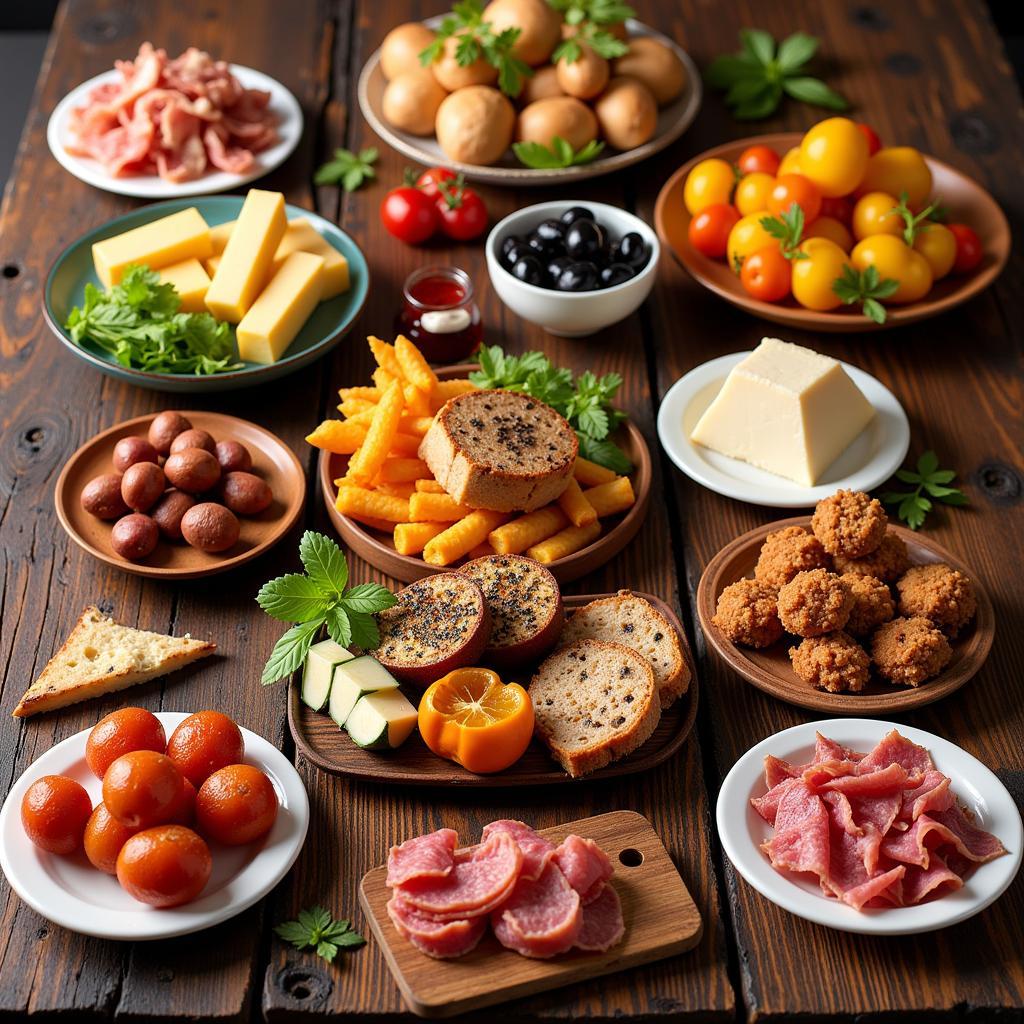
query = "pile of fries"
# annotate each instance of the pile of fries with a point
(389, 488)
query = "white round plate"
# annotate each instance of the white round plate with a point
(70, 892)
(152, 186)
(871, 459)
(742, 830)
(673, 120)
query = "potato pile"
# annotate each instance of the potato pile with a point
(580, 100)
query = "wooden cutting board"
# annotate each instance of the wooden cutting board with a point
(660, 915)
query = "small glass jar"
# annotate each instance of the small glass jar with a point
(439, 315)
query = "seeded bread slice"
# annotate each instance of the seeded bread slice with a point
(630, 620)
(500, 450)
(593, 703)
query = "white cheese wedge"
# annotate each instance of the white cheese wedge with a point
(787, 410)
(356, 679)
(318, 675)
(381, 721)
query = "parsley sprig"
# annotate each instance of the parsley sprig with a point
(866, 287)
(559, 154)
(915, 223)
(585, 402)
(320, 597)
(788, 228)
(914, 506)
(350, 170)
(589, 18)
(316, 929)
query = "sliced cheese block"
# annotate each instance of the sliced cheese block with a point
(301, 236)
(274, 319)
(354, 680)
(190, 282)
(245, 264)
(219, 235)
(211, 264)
(318, 674)
(157, 244)
(381, 721)
(787, 410)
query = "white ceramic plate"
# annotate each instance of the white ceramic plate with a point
(742, 830)
(70, 892)
(673, 120)
(152, 186)
(871, 459)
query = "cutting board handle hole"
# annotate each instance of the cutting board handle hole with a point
(630, 857)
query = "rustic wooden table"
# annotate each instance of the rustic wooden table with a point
(929, 73)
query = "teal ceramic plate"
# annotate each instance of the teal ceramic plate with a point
(73, 269)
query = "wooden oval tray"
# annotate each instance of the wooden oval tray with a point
(321, 742)
(379, 550)
(769, 669)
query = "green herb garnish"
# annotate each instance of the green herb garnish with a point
(560, 153)
(865, 287)
(913, 506)
(348, 169)
(756, 78)
(321, 597)
(589, 17)
(315, 928)
(914, 223)
(788, 228)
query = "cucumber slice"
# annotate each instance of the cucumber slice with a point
(321, 661)
(353, 680)
(381, 721)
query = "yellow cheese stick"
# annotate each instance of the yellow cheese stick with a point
(366, 463)
(219, 235)
(573, 502)
(190, 282)
(415, 368)
(411, 538)
(590, 474)
(568, 542)
(612, 498)
(337, 436)
(436, 508)
(398, 471)
(301, 236)
(157, 244)
(515, 537)
(462, 537)
(358, 501)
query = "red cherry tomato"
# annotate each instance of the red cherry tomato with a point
(758, 158)
(709, 230)
(766, 274)
(429, 181)
(460, 211)
(838, 208)
(794, 188)
(874, 142)
(409, 214)
(968, 248)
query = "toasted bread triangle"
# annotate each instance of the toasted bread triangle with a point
(101, 656)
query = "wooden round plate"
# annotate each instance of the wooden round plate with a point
(770, 670)
(965, 199)
(379, 550)
(272, 460)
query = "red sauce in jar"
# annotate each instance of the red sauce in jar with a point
(439, 314)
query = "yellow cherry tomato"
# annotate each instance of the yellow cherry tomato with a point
(893, 258)
(814, 276)
(790, 163)
(746, 237)
(832, 229)
(711, 181)
(898, 169)
(873, 215)
(937, 244)
(834, 155)
(752, 192)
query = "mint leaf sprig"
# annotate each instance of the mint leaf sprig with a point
(867, 288)
(559, 154)
(928, 482)
(320, 597)
(348, 169)
(316, 929)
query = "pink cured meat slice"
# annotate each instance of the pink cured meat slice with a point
(603, 926)
(541, 918)
(921, 882)
(847, 877)
(768, 805)
(429, 856)
(877, 783)
(931, 794)
(801, 840)
(817, 774)
(971, 842)
(480, 880)
(776, 770)
(536, 850)
(583, 863)
(828, 750)
(439, 939)
(896, 749)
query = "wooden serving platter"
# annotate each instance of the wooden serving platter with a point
(322, 743)
(660, 915)
(770, 670)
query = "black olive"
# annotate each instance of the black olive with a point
(575, 213)
(550, 230)
(545, 248)
(514, 253)
(507, 244)
(579, 277)
(616, 273)
(555, 268)
(584, 240)
(529, 269)
(632, 249)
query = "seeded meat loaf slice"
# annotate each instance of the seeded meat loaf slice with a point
(593, 703)
(630, 620)
(500, 450)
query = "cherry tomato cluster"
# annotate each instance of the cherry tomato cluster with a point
(162, 800)
(438, 200)
(838, 219)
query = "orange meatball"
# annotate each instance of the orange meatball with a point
(203, 743)
(236, 805)
(120, 733)
(165, 866)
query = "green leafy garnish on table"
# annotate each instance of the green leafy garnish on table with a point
(788, 228)
(320, 597)
(316, 929)
(866, 287)
(589, 18)
(559, 154)
(756, 78)
(586, 401)
(348, 169)
(139, 322)
(928, 482)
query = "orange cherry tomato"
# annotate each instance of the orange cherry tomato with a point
(766, 274)
(752, 192)
(710, 181)
(794, 188)
(937, 244)
(104, 837)
(790, 163)
(142, 788)
(54, 811)
(874, 142)
(709, 229)
(839, 208)
(120, 733)
(758, 158)
(203, 743)
(165, 866)
(236, 805)
(833, 230)
(874, 214)
(968, 248)
(898, 169)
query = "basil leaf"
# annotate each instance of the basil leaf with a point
(758, 43)
(814, 91)
(795, 51)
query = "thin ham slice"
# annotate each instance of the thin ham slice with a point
(542, 917)
(877, 783)
(932, 793)
(439, 939)
(893, 748)
(920, 882)
(584, 864)
(970, 841)
(429, 856)
(768, 805)
(801, 840)
(603, 926)
(536, 850)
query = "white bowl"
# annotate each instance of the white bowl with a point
(571, 314)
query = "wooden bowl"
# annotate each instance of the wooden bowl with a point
(272, 460)
(769, 669)
(966, 200)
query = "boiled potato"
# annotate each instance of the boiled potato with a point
(541, 85)
(560, 115)
(411, 100)
(585, 77)
(656, 65)
(402, 47)
(538, 23)
(627, 113)
(452, 75)
(475, 124)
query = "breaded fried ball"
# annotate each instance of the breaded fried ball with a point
(940, 593)
(747, 613)
(836, 663)
(872, 604)
(909, 651)
(787, 552)
(888, 562)
(849, 523)
(814, 603)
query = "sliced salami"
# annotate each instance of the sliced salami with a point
(439, 939)
(603, 926)
(583, 863)
(541, 918)
(429, 856)
(536, 850)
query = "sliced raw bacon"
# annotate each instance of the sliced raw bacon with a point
(603, 926)
(542, 917)
(429, 856)
(439, 939)
(536, 850)
(584, 864)
(894, 748)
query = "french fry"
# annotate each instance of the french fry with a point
(417, 402)
(515, 537)
(359, 502)
(590, 474)
(611, 498)
(402, 490)
(364, 393)
(415, 425)
(460, 538)
(565, 543)
(338, 436)
(411, 538)
(353, 406)
(429, 486)
(450, 389)
(573, 502)
(436, 508)
(362, 418)
(415, 368)
(405, 446)
(383, 380)
(398, 471)
(365, 463)
(385, 356)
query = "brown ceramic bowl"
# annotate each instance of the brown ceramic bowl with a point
(966, 201)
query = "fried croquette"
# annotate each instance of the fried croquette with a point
(909, 651)
(888, 562)
(747, 613)
(814, 603)
(940, 593)
(849, 523)
(835, 662)
(787, 552)
(872, 604)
